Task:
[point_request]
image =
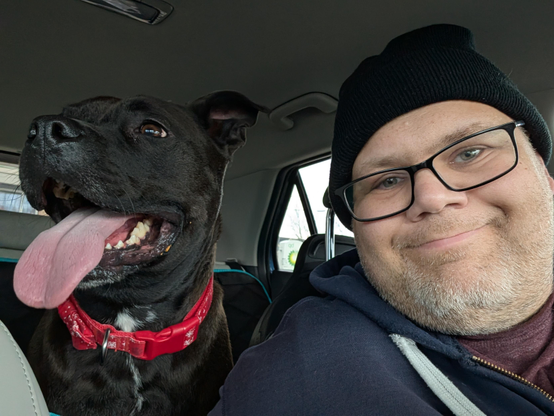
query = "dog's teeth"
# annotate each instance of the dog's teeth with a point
(133, 240)
(59, 193)
(139, 231)
(148, 222)
(119, 245)
(108, 246)
(62, 193)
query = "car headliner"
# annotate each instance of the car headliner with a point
(57, 52)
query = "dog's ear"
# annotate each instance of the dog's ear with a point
(225, 116)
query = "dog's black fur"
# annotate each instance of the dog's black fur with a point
(99, 149)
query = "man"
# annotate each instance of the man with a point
(439, 168)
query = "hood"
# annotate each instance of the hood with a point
(343, 278)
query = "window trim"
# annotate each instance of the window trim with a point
(305, 203)
(269, 235)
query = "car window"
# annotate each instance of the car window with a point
(294, 230)
(295, 227)
(11, 196)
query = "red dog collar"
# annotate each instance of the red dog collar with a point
(87, 333)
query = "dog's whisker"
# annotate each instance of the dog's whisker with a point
(14, 197)
(122, 206)
(131, 201)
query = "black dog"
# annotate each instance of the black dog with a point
(135, 186)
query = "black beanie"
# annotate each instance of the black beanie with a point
(429, 65)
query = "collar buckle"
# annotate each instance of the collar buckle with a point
(170, 340)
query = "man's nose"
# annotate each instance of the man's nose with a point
(431, 196)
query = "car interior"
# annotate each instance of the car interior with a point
(289, 56)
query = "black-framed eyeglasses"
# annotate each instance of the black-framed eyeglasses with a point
(468, 163)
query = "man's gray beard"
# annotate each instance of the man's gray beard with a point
(503, 290)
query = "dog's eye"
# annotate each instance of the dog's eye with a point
(153, 130)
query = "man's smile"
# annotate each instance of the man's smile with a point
(451, 241)
(444, 234)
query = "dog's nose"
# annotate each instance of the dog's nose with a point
(54, 128)
(32, 131)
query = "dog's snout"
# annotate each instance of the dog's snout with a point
(54, 128)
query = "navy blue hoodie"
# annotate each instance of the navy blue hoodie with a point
(335, 356)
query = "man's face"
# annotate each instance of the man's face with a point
(471, 262)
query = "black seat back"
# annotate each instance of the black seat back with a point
(310, 255)
(245, 299)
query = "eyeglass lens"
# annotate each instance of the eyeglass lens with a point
(468, 164)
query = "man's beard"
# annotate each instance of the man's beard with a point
(456, 294)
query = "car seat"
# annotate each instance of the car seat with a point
(17, 231)
(19, 391)
(314, 251)
(245, 299)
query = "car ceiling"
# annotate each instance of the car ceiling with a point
(57, 52)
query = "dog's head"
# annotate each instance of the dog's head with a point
(140, 174)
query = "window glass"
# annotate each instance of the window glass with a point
(315, 178)
(11, 196)
(294, 230)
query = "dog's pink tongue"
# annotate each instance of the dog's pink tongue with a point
(59, 258)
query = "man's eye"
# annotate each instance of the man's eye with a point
(467, 155)
(153, 130)
(388, 183)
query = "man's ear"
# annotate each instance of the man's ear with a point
(225, 115)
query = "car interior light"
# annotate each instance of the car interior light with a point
(151, 12)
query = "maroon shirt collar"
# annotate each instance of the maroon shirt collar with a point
(526, 349)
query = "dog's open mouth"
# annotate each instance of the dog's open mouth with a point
(143, 237)
(86, 236)
(139, 240)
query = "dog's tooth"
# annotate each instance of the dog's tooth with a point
(139, 230)
(108, 246)
(148, 222)
(59, 193)
(119, 245)
(133, 240)
(145, 229)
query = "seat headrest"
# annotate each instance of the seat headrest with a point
(19, 230)
(326, 199)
